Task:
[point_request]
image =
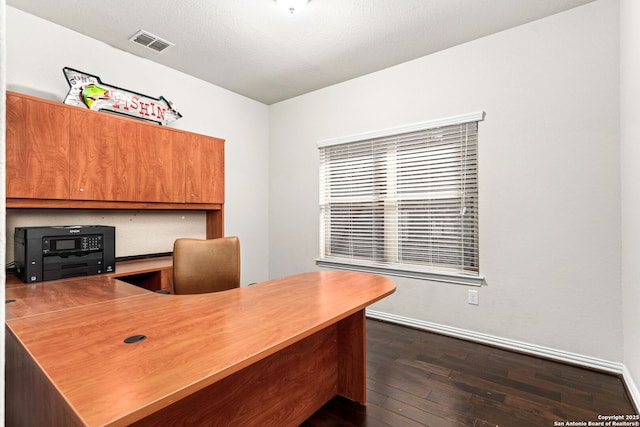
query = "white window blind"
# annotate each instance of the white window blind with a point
(403, 200)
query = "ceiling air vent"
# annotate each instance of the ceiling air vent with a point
(149, 40)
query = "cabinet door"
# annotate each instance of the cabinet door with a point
(161, 166)
(37, 149)
(205, 169)
(103, 157)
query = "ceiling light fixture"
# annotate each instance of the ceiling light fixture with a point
(292, 5)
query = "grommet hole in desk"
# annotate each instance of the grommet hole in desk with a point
(133, 339)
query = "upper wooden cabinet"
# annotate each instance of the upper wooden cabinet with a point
(203, 155)
(57, 151)
(102, 157)
(37, 149)
(161, 165)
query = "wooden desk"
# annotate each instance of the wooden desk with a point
(267, 354)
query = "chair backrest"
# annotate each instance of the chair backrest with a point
(201, 266)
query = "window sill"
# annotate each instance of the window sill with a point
(458, 279)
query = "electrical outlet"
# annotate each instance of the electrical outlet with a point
(473, 297)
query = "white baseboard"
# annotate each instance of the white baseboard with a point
(507, 344)
(632, 388)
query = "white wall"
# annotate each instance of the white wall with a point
(549, 176)
(630, 159)
(37, 50)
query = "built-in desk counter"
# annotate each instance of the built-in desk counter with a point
(153, 273)
(268, 354)
(150, 273)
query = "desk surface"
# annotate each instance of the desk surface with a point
(192, 340)
(46, 297)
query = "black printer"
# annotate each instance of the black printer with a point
(49, 253)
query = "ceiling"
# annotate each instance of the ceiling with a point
(256, 49)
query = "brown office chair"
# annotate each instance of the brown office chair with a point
(201, 266)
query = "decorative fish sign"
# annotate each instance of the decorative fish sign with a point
(88, 91)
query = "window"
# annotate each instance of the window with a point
(403, 201)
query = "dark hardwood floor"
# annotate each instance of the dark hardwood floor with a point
(417, 378)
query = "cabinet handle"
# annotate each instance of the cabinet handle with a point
(81, 190)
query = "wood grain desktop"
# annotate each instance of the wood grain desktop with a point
(268, 354)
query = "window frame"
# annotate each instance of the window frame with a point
(432, 273)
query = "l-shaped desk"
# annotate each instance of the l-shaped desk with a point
(267, 354)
